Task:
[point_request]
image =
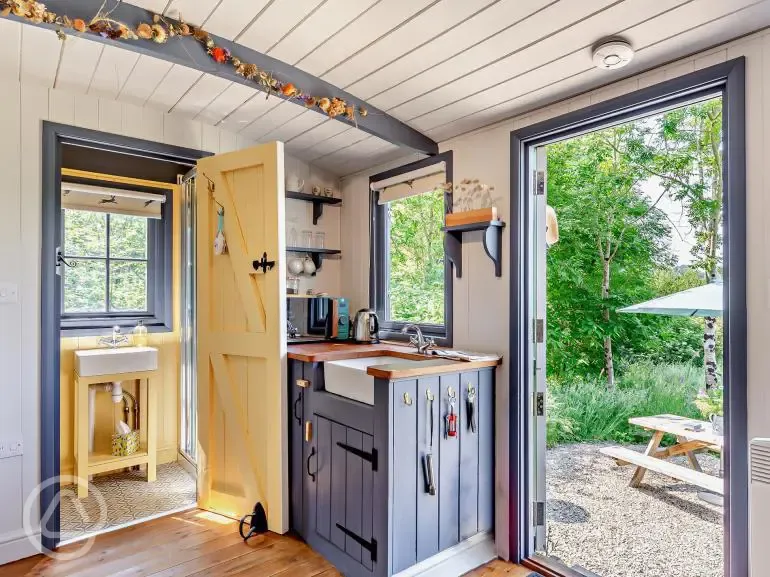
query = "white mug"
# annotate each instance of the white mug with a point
(294, 183)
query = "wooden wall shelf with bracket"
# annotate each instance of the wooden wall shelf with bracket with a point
(318, 202)
(492, 240)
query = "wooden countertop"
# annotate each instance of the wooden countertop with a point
(322, 352)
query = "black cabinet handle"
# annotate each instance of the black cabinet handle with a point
(310, 456)
(296, 404)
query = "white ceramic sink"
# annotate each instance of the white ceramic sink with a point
(349, 379)
(94, 362)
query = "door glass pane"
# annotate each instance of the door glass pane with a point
(85, 233)
(128, 286)
(128, 236)
(85, 290)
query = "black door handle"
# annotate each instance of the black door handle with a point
(296, 404)
(307, 465)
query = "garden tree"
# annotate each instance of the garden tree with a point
(683, 149)
(612, 241)
(416, 280)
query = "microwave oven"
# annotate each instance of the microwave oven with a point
(316, 319)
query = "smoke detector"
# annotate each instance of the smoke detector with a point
(612, 54)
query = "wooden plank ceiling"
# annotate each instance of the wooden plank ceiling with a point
(444, 67)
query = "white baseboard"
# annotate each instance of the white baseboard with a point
(457, 560)
(18, 546)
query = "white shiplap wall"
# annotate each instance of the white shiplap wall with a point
(481, 301)
(25, 105)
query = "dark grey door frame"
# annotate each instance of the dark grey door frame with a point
(727, 79)
(54, 136)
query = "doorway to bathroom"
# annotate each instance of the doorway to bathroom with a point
(118, 350)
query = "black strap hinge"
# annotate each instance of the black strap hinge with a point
(371, 457)
(370, 546)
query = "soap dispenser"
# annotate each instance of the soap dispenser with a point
(139, 335)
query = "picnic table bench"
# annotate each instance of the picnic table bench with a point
(691, 434)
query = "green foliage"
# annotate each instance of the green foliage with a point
(594, 184)
(416, 280)
(85, 284)
(585, 410)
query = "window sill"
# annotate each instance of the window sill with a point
(98, 327)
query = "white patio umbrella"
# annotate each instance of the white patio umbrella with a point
(702, 301)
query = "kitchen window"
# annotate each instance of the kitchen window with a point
(411, 280)
(114, 256)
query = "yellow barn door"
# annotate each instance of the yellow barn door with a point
(242, 335)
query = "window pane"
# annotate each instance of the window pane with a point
(416, 259)
(85, 289)
(128, 286)
(128, 236)
(85, 233)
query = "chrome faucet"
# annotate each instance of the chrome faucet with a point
(116, 340)
(423, 345)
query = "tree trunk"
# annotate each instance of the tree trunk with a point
(609, 366)
(709, 352)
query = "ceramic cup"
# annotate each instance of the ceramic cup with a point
(329, 191)
(316, 190)
(294, 183)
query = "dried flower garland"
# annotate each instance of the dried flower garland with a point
(160, 30)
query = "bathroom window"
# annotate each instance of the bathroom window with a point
(108, 259)
(411, 280)
(114, 270)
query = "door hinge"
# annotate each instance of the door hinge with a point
(370, 546)
(540, 404)
(539, 179)
(538, 513)
(539, 330)
(370, 457)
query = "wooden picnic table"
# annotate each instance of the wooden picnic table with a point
(691, 434)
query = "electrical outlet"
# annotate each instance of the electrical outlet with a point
(10, 449)
(9, 293)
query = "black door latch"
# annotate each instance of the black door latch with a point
(263, 264)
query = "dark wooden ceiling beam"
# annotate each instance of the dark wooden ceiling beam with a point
(189, 52)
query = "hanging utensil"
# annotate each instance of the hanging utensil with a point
(427, 460)
(470, 404)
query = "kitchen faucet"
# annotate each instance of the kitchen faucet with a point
(423, 345)
(116, 340)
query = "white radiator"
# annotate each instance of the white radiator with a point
(759, 507)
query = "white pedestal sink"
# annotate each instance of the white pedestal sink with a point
(348, 378)
(95, 362)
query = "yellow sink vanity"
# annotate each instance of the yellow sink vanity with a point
(114, 366)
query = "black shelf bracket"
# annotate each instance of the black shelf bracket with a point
(492, 241)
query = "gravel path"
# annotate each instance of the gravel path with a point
(598, 522)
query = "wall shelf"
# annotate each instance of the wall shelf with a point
(316, 254)
(318, 202)
(492, 240)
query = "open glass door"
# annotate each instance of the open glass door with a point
(240, 291)
(538, 340)
(188, 368)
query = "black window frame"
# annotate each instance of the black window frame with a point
(379, 241)
(159, 314)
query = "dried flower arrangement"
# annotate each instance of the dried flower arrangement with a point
(160, 30)
(472, 194)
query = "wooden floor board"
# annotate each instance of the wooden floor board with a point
(197, 544)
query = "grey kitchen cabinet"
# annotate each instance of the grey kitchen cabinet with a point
(359, 493)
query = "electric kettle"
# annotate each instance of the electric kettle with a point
(366, 327)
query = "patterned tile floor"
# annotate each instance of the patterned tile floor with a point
(126, 497)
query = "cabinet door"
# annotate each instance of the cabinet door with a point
(296, 440)
(342, 490)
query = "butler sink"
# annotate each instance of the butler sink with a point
(96, 362)
(348, 378)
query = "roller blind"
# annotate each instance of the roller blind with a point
(410, 183)
(112, 200)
